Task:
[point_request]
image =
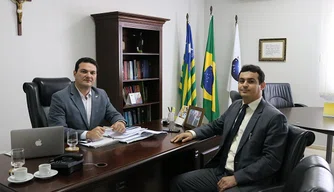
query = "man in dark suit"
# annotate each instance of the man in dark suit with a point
(82, 107)
(254, 137)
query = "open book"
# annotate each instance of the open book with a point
(131, 134)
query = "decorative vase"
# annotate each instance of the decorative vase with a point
(140, 43)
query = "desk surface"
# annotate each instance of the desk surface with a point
(119, 157)
(310, 118)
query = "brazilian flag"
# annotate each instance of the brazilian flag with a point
(187, 86)
(209, 79)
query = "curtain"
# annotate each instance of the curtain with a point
(327, 51)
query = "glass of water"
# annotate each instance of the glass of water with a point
(72, 139)
(17, 157)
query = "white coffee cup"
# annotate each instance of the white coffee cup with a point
(44, 169)
(20, 173)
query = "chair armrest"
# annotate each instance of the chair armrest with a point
(300, 105)
(278, 188)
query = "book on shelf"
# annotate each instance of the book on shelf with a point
(136, 69)
(137, 115)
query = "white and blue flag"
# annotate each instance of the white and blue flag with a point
(235, 63)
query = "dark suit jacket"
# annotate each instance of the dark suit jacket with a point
(67, 110)
(261, 148)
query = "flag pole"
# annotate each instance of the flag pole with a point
(236, 19)
(210, 10)
(187, 17)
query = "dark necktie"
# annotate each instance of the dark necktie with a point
(233, 132)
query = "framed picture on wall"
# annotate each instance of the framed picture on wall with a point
(194, 117)
(272, 49)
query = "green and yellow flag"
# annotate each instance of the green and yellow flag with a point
(209, 79)
(187, 85)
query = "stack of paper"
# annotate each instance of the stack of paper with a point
(131, 134)
(103, 142)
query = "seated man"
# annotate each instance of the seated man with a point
(254, 138)
(82, 107)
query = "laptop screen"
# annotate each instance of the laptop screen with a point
(39, 142)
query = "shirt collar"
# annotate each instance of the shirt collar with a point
(83, 96)
(253, 105)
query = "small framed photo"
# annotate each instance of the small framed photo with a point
(194, 117)
(272, 49)
(182, 115)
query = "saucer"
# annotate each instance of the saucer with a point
(52, 173)
(12, 180)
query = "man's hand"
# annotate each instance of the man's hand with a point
(187, 136)
(226, 183)
(119, 126)
(95, 134)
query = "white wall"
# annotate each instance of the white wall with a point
(57, 33)
(297, 20)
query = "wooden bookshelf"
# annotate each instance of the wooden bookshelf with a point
(124, 62)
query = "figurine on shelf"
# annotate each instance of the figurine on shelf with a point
(140, 43)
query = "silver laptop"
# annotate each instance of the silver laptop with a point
(39, 142)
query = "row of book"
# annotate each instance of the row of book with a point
(136, 69)
(137, 115)
(143, 89)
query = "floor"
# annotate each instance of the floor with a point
(322, 153)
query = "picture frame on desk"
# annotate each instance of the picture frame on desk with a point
(272, 49)
(181, 115)
(194, 117)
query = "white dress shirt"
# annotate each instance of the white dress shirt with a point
(235, 143)
(87, 102)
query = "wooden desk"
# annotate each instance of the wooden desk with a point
(147, 165)
(311, 118)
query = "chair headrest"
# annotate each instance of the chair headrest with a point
(48, 86)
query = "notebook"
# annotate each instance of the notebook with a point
(39, 142)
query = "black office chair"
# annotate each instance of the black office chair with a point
(279, 95)
(312, 174)
(38, 94)
(297, 141)
(234, 95)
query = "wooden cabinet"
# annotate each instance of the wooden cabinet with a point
(129, 55)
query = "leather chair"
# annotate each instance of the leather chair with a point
(297, 141)
(279, 95)
(234, 95)
(311, 174)
(38, 94)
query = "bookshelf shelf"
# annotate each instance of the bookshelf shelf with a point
(139, 105)
(139, 54)
(129, 54)
(140, 80)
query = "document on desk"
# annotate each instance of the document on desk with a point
(99, 143)
(131, 134)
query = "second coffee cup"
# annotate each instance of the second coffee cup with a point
(20, 174)
(44, 169)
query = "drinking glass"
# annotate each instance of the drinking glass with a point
(72, 139)
(17, 157)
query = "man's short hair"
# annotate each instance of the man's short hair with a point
(254, 69)
(85, 60)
